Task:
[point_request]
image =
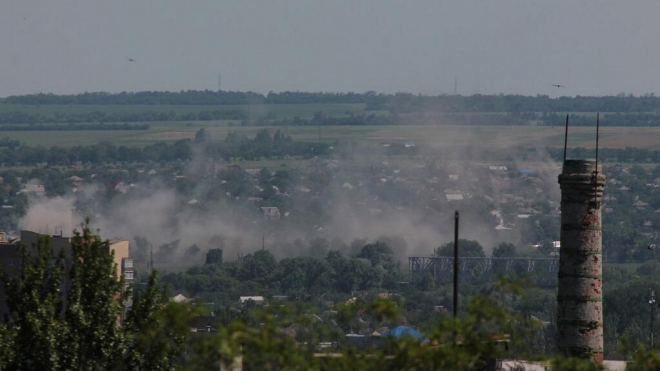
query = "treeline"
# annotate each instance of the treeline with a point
(318, 119)
(17, 117)
(64, 127)
(206, 97)
(262, 145)
(406, 103)
(495, 119)
(374, 267)
(191, 97)
(395, 103)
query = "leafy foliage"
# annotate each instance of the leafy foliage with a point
(466, 248)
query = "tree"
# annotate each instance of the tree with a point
(356, 274)
(504, 250)
(192, 250)
(70, 319)
(379, 254)
(466, 248)
(202, 136)
(214, 256)
(35, 306)
(67, 324)
(94, 305)
(156, 331)
(258, 266)
(318, 248)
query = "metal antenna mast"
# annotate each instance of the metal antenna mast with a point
(597, 136)
(596, 169)
(566, 137)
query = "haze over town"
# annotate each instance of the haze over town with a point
(265, 185)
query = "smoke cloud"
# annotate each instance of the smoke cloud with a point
(370, 194)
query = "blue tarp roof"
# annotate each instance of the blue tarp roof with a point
(403, 331)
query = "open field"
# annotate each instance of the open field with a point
(254, 110)
(435, 136)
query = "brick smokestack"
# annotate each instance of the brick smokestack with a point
(580, 296)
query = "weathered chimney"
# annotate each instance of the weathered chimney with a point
(580, 296)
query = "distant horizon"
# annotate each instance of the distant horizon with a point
(621, 94)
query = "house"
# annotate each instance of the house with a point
(33, 189)
(271, 212)
(639, 204)
(76, 180)
(180, 299)
(497, 168)
(255, 299)
(122, 187)
(454, 196)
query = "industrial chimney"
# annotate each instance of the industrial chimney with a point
(579, 300)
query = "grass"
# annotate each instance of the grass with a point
(431, 136)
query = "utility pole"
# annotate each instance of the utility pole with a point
(652, 304)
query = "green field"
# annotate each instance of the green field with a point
(433, 136)
(436, 136)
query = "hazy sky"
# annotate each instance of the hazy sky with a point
(593, 47)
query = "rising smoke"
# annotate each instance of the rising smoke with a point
(370, 195)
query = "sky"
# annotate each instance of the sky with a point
(593, 47)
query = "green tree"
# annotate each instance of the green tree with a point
(466, 248)
(70, 319)
(214, 256)
(258, 266)
(157, 332)
(202, 136)
(95, 303)
(380, 255)
(504, 250)
(35, 307)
